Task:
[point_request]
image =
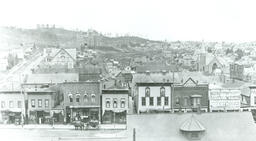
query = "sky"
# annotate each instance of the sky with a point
(209, 20)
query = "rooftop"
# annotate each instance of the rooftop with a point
(52, 78)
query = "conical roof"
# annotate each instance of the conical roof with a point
(192, 124)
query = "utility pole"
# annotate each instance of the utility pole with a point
(134, 134)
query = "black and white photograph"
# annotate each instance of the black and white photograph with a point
(128, 70)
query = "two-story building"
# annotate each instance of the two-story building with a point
(40, 102)
(190, 96)
(115, 103)
(81, 101)
(12, 106)
(153, 97)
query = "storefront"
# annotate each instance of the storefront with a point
(85, 114)
(111, 117)
(38, 117)
(10, 117)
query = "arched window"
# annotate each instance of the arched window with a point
(162, 91)
(122, 102)
(115, 103)
(85, 97)
(77, 97)
(93, 98)
(70, 96)
(147, 92)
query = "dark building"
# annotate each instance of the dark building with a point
(236, 71)
(190, 96)
(81, 101)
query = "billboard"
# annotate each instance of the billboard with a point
(224, 99)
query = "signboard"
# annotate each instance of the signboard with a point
(224, 99)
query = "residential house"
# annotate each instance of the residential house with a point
(190, 96)
(12, 106)
(115, 104)
(65, 57)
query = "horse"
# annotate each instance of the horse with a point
(78, 124)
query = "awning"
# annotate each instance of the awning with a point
(196, 96)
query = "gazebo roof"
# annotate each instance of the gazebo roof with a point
(192, 125)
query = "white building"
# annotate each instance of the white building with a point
(153, 97)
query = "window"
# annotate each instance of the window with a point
(108, 102)
(93, 97)
(177, 101)
(10, 104)
(33, 103)
(166, 101)
(19, 104)
(185, 101)
(162, 91)
(122, 102)
(255, 100)
(77, 97)
(151, 101)
(46, 103)
(70, 96)
(147, 92)
(115, 103)
(2, 104)
(143, 101)
(85, 98)
(158, 101)
(39, 102)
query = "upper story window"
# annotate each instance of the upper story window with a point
(162, 91)
(85, 97)
(77, 97)
(33, 104)
(93, 97)
(10, 104)
(46, 103)
(122, 102)
(39, 102)
(108, 102)
(70, 96)
(2, 104)
(115, 103)
(147, 92)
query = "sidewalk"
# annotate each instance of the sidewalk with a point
(35, 126)
(60, 126)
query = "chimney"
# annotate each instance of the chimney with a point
(164, 72)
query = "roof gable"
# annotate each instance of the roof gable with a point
(65, 51)
(190, 83)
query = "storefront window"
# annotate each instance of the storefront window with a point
(10, 104)
(2, 104)
(46, 103)
(147, 92)
(39, 102)
(185, 101)
(143, 101)
(166, 101)
(122, 102)
(151, 101)
(108, 102)
(33, 103)
(159, 101)
(115, 103)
